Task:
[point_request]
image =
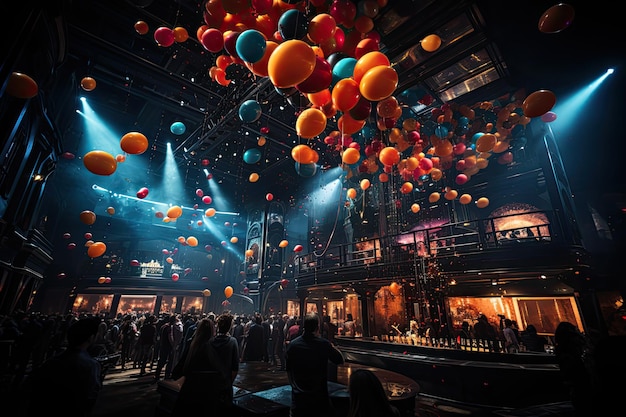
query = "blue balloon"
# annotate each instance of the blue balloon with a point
(441, 131)
(343, 69)
(251, 46)
(250, 111)
(252, 156)
(293, 24)
(178, 128)
(306, 170)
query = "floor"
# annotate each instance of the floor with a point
(127, 393)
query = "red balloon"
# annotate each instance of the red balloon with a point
(134, 262)
(164, 36)
(298, 248)
(269, 196)
(538, 103)
(320, 78)
(175, 277)
(21, 86)
(284, 282)
(142, 193)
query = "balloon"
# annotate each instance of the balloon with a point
(291, 63)
(350, 156)
(378, 83)
(293, 24)
(389, 156)
(482, 202)
(100, 162)
(365, 184)
(320, 78)
(207, 199)
(21, 86)
(431, 43)
(394, 288)
(210, 212)
(367, 62)
(406, 187)
(283, 244)
(298, 248)
(451, 194)
(234, 239)
(97, 249)
(141, 27)
(164, 36)
(250, 111)
(344, 68)
(310, 123)
(192, 241)
(538, 103)
(364, 46)
(174, 212)
(351, 193)
(306, 170)
(249, 253)
(134, 262)
(302, 153)
(212, 40)
(252, 156)
(486, 142)
(251, 45)
(169, 260)
(345, 94)
(434, 197)
(260, 67)
(178, 128)
(348, 125)
(254, 177)
(548, 117)
(142, 193)
(175, 277)
(88, 217)
(465, 199)
(322, 28)
(228, 291)
(206, 292)
(101, 280)
(111, 210)
(284, 282)
(556, 18)
(415, 207)
(88, 83)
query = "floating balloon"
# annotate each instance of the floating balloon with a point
(252, 156)
(192, 241)
(298, 248)
(431, 43)
(269, 196)
(538, 103)
(142, 193)
(293, 24)
(284, 282)
(111, 210)
(251, 45)
(178, 128)
(482, 202)
(71, 245)
(164, 36)
(88, 217)
(283, 244)
(206, 292)
(234, 239)
(250, 111)
(310, 123)
(556, 18)
(254, 177)
(210, 212)
(174, 212)
(291, 63)
(306, 170)
(134, 143)
(100, 162)
(134, 262)
(141, 27)
(228, 291)
(66, 235)
(465, 199)
(21, 86)
(88, 83)
(415, 207)
(97, 249)
(88, 235)
(175, 277)
(207, 199)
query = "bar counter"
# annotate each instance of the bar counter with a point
(481, 378)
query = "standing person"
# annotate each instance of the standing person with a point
(349, 327)
(511, 344)
(68, 384)
(165, 348)
(146, 342)
(255, 349)
(368, 397)
(575, 357)
(128, 338)
(532, 341)
(279, 332)
(175, 337)
(307, 358)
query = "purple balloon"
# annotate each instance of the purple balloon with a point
(548, 117)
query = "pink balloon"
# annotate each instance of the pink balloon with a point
(164, 36)
(199, 192)
(548, 117)
(461, 179)
(175, 277)
(207, 199)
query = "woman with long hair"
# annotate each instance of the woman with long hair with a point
(368, 397)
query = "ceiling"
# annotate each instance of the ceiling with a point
(144, 87)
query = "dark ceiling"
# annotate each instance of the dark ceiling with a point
(144, 87)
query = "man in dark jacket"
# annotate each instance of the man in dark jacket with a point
(307, 358)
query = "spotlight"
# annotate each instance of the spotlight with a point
(610, 71)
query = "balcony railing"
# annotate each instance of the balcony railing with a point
(452, 239)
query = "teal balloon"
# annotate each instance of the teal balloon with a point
(250, 111)
(441, 131)
(251, 46)
(178, 128)
(343, 69)
(252, 156)
(476, 136)
(293, 24)
(306, 170)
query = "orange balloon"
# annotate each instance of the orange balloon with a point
(206, 292)
(482, 202)
(322, 28)
(180, 34)
(302, 154)
(141, 27)
(210, 212)
(486, 142)
(283, 244)
(97, 249)
(367, 62)
(451, 194)
(220, 77)
(111, 210)
(350, 156)
(406, 188)
(345, 94)
(310, 123)
(538, 103)
(291, 63)
(21, 86)
(348, 125)
(351, 193)
(465, 199)
(134, 143)
(415, 208)
(365, 184)
(88, 83)
(260, 67)
(88, 217)
(378, 83)
(431, 43)
(100, 162)
(174, 212)
(434, 197)
(249, 253)
(228, 291)
(388, 107)
(192, 241)
(320, 98)
(389, 156)
(254, 177)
